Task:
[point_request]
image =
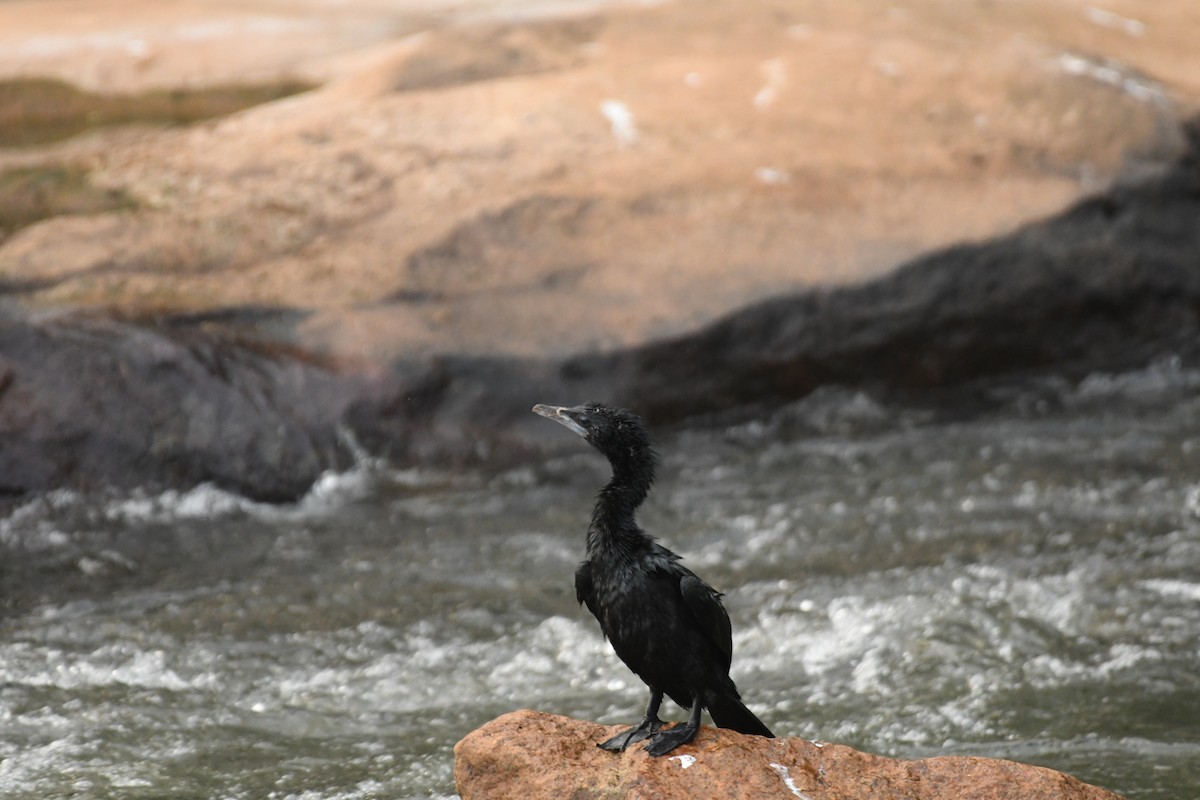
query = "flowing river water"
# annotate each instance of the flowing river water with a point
(1019, 582)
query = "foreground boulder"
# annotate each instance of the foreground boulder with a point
(532, 755)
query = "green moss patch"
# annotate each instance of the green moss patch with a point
(37, 111)
(29, 194)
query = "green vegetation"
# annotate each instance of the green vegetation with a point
(37, 111)
(29, 194)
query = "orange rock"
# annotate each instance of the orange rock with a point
(531, 755)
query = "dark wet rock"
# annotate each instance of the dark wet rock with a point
(93, 404)
(1109, 284)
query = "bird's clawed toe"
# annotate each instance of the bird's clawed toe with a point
(616, 744)
(643, 730)
(664, 742)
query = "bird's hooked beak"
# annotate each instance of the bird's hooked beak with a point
(562, 416)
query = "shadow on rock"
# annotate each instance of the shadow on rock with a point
(1109, 284)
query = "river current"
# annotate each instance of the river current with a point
(1020, 582)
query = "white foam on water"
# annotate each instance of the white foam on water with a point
(429, 669)
(1162, 377)
(107, 666)
(362, 791)
(1174, 588)
(960, 646)
(31, 526)
(20, 770)
(205, 501)
(331, 491)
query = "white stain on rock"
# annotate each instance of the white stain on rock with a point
(621, 119)
(783, 773)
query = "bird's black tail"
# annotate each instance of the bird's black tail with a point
(728, 712)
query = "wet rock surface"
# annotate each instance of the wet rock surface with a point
(93, 404)
(534, 755)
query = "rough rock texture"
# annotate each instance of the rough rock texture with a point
(87, 403)
(532, 755)
(1108, 284)
(458, 185)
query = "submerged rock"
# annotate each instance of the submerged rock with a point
(533, 755)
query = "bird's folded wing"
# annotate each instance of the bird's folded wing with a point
(704, 602)
(583, 586)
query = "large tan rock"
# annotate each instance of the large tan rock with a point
(490, 178)
(531, 755)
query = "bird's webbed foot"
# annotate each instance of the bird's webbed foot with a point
(664, 742)
(643, 730)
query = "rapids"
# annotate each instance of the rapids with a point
(1019, 582)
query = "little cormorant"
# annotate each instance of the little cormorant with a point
(666, 624)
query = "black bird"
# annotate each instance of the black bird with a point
(666, 624)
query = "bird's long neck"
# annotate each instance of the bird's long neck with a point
(613, 522)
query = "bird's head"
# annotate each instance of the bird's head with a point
(617, 433)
